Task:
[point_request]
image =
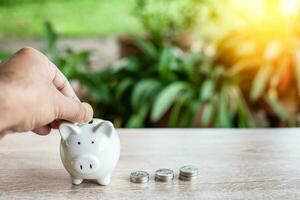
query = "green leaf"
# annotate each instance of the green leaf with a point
(207, 90)
(164, 62)
(51, 36)
(147, 47)
(190, 113)
(137, 119)
(260, 82)
(245, 118)
(144, 91)
(84, 79)
(166, 98)
(175, 113)
(134, 122)
(176, 110)
(223, 115)
(102, 93)
(276, 76)
(190, 66)
(207, 114)
(123, 86)
(167, 64)
(277, 107)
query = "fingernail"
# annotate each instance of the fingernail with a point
(89, 112)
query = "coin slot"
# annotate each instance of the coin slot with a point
(81, 167)
(91, 166)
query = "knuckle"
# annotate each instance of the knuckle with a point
(28, 51)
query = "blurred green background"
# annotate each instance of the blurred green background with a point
(24, 18)
(192, 63)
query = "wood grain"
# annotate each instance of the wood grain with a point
(233, 164)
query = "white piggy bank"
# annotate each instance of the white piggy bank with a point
(89, 151)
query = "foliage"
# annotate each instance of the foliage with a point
(248, 82)
(166, 19)
(166, 85)
(162, 85)
(266, 54)
(73, 18)
(71, 63)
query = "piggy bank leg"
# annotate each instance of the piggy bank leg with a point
(76, 181)
(104, 180)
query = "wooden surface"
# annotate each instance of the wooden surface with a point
(233, 164)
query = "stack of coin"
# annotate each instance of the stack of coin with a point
(188, 173)
(139, 177)
(164, 175)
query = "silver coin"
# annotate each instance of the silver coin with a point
(139, 177)
(184, 178)
(164, 173)
(164, 179)
(188, 170)
(139, 180)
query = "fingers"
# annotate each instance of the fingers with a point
(72, 110)
(56, 76)
(33, 57)
(60, 81)
(68, 106)
(63, 85)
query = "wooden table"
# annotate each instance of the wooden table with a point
(233, 164)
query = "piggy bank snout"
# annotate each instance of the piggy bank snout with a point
(85, 164)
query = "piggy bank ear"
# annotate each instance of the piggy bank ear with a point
(66, 129)
(105, 127)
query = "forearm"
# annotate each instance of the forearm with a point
(6, 111)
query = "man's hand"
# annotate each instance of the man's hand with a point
(35, 95)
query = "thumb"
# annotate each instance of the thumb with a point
(72, 110)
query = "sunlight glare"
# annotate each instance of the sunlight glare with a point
(289, 7)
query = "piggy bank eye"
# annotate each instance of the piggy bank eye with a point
(78, 143)
(92, 142)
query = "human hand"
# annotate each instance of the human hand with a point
(35, 95)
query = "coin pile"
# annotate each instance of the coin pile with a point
(139, 177)
(188, 173)
(164, 175)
